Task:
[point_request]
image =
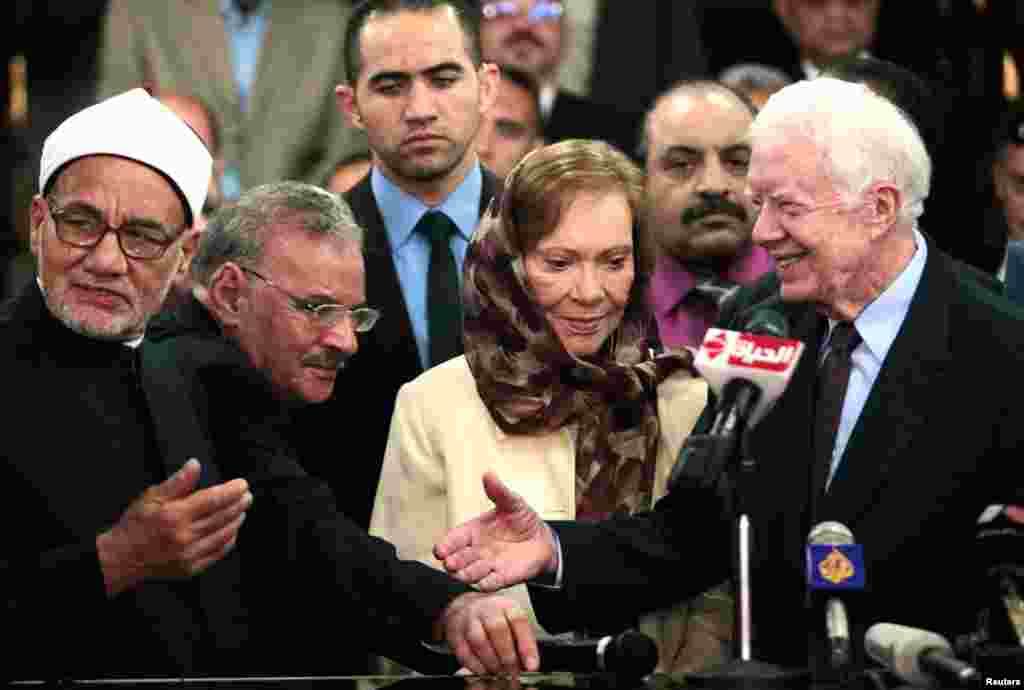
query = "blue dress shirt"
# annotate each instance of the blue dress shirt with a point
(878, 326)
(410, 251)
(245, 36)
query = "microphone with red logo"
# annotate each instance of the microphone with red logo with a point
(747, 371)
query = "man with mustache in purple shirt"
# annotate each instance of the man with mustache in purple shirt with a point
(697, 157)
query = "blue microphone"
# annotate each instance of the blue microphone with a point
(835, 564)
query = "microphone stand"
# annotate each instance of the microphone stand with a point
(737, 485)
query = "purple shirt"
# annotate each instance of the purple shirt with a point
(685, 324)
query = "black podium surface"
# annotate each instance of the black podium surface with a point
(528, 681)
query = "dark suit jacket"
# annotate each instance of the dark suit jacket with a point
(363, 399)
(574, 117)
(669, 48)
(91, 425)
(935, 444)
(298, 554)
(79, 446)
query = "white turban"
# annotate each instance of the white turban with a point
(137, 126)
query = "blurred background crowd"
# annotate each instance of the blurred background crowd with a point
(257, 80)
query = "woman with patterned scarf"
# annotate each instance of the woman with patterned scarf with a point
(559, 391)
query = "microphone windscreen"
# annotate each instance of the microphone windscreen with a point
(830, 533)
(998, 540)
(901, 649)
(766, 321)
(632, 654)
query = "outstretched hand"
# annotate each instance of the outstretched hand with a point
(505, 546)
(173, 531)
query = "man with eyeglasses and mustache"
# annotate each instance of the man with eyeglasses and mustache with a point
(280, 275)
(125, 555)
(697, 158)
(279, 301)
(278, 293)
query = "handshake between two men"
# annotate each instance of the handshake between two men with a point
(511, 544)
(176, 530)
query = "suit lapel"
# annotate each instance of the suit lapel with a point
(782, 454)
(210, 41)
(393, 335)
(170, 378)
(179, 433)
(896, 410)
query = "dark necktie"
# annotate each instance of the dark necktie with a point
(833, 377)
(444, 303)
(247, 7)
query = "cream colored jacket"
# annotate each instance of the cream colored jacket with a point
(443, 439)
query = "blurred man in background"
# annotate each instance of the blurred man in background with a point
(267, 71)
(531, 35)
(828, 30)
(349, 172)
(512, 127)
(1004, 219)
(203, 122)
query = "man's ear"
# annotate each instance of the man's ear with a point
(346, 98)
(37, 224)
(885, 207)
(226, 294)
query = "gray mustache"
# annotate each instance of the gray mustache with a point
(328, 359)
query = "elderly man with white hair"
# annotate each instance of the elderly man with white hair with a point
(120, 556)
(907, 452)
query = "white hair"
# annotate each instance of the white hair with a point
(861, 137)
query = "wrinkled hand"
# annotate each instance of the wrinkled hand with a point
(490, 634)
(173, 531)
(503, 547)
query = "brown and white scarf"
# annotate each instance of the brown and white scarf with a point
(531, 384)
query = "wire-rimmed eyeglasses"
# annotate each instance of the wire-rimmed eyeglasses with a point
(326, 315)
